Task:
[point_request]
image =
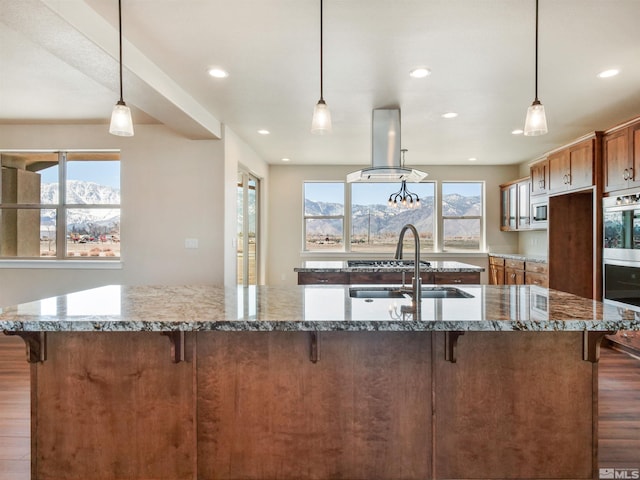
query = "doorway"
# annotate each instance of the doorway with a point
(248, 216)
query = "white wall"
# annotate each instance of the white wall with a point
(286, 204)
(172, 189)
(238, 154)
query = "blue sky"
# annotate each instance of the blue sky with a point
(378, 193)
(100, 172)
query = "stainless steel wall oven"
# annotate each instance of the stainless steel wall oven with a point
(621, 249)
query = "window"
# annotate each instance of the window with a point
(372, 225)
(375, 224)
(60, 205)
(324, 215)
(462, 216)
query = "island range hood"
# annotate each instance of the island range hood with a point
(386, 162)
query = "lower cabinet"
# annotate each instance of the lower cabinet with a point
(496, 270)
(508, 271)
(514, 272)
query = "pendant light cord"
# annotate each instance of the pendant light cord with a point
(536, 51)
(120, 28)
(321, 73)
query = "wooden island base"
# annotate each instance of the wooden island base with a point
(299, 405)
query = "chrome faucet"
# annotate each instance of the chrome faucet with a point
(416, 284)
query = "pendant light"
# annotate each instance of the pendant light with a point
(536, 121)
(121, 123)
(321, 122)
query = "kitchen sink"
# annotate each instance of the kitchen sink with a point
(396, 292)
(385, 263)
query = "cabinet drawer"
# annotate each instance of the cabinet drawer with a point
(517, 264)
(456, 277)
(387, 277)
(320, 278)
(539, 279)
(537, 267)
(496, 261)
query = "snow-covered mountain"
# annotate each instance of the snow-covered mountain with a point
(381, 219)
(81, 193)
(84, 220)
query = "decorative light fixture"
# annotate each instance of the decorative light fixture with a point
(404, 197)
(121, 123)
(536, 121)
(321, 122)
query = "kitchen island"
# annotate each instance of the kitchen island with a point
(310, 383)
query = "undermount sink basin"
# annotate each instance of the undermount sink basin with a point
(396, 292)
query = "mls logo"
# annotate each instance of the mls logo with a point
(623, 473)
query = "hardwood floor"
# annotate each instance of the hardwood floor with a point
(619, 422)
(619, 410)
(14, 410)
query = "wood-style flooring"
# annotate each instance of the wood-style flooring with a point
(619, 422)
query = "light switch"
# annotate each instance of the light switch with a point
(190, 243)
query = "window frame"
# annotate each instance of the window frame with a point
(61, 208)
(481, 217)
(343, 217)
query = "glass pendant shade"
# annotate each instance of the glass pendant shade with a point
(321, 122)
(536, 121)
(121, 123)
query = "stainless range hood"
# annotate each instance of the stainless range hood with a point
(386, 163)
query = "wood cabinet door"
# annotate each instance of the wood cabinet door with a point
(581, 165)
(615, 147)
(513, 276)
(634, 137)
(524, 206)
(496, 275)
(504, 208)
(539, 178)
(559, 171)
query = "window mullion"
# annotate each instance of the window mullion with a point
(61, 212)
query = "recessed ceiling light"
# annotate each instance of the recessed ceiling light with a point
(420, 72)
(449, 115)
(262, 131)
(286, 159)
(473, 159)
(609, 73)
(216, 72)
(517, 131)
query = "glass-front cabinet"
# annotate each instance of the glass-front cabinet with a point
(515, 206)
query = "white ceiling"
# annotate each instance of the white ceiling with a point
(58, 64)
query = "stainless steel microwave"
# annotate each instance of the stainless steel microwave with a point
(539, 214)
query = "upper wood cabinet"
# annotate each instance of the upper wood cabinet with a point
(515, 206)
(621, 156)
(572, 167)
(539, 177)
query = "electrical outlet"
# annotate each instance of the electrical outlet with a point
(190, 243)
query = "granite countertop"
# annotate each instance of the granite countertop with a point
(312, 308)
(521, 256)
(318, 266)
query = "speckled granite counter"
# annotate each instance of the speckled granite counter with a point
(520, 256)
(312, 308)
(317, 266)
